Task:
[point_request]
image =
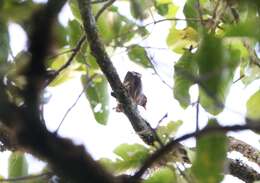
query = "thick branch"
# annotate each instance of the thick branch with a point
(251, 153)
(242, 171)
(98, 51)
(24, 123)
(171, 145)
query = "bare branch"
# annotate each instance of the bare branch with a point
(46, 175)
(244, 172)
(171, 145)
(172, 19)
(79, 44)
(251, 153)
(140, 125)
(108, 4)
(76, 101)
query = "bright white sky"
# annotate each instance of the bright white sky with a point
(100, 140)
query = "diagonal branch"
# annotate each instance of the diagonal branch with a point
(243, 171)
(171, 145)
(140, 125)
(248, 151)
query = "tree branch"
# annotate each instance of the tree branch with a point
(242, 171)
(139, 124)
(24, 123)
(172, 144)
(46, 175)
(251, 153)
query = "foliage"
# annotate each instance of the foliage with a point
(218, 38)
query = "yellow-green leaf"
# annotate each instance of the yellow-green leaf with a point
(181, 40)
(17, 165)
(253, 106)
(210, 157)
(138, 55)
(163, 175)
(97, 95)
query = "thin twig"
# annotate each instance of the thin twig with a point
(98, 1)
(79, 43)
(160, 121)
(59, 54)
(151, 60)
(172, 144)
(75, 102)
(28, 177)
(171, 19)
(108, 4)
(238, 79)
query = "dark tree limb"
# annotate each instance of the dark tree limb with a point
(24, 123)
(140, 125)
(173, 144)
(242, 171)
(248, 151)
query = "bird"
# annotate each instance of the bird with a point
(133, 84)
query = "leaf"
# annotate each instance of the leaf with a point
(210, 157)
(247, 28)
(131, 156)
(163, 175)
(75, 10)
(17, 165)
(168, 131)
(74, 32)
(190, 11)
(210, 58)
(66, 74)
(166, 8)
(108, 164)
(98, 97)
(4, 44)
(216, 74)
(182, 84)
(181, 40)
(18, 11)
(253, 106)
(138, 8)
(138, 55)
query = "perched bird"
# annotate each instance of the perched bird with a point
(133, 84)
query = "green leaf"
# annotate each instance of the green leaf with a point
(18, 11)
(17, 165)
(108, 164)
(217, 61)
(253, 106)
(168, 131)
(210, 58)
(139, 8)
(66, 74)
(181, 40)
(163, 175)
(247, 28)
(75, 10)
(210, 157)
(4, 45)
(166, 8)
(74, 32)
(138, 55)
(131, 156)
(182, 84)
(190, 11)
(98, 97)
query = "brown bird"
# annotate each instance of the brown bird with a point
(133, 84)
